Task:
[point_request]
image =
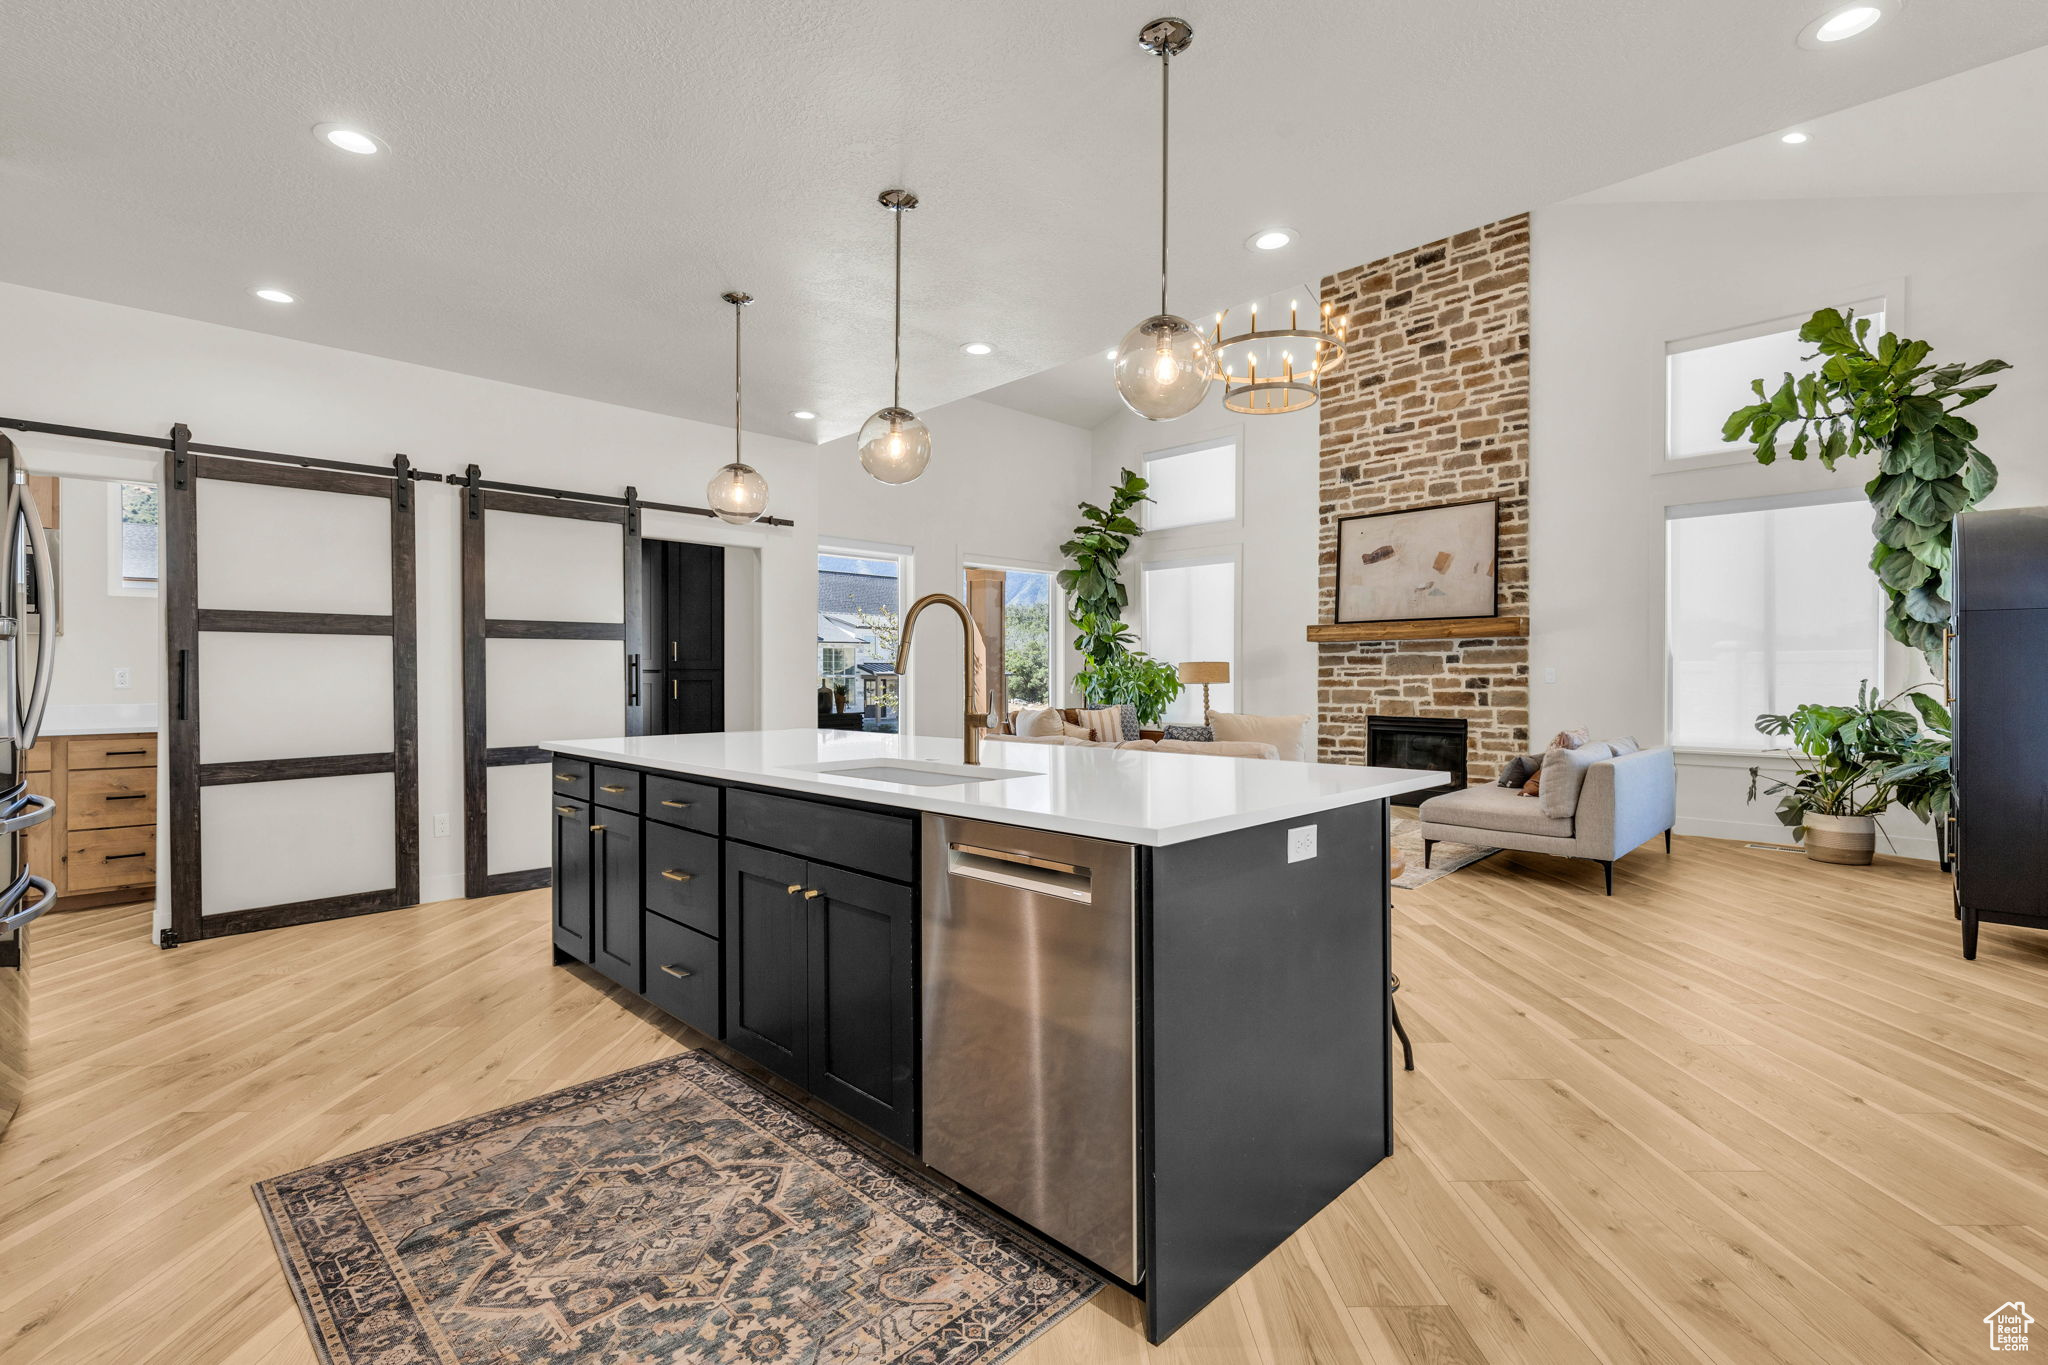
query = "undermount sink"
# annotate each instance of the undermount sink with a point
(915, 772)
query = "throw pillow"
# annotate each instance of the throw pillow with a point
(1625, 745)
(1128, 714)
(1569, 739)
(1564, 775)
(1534, 786)
(1037, 720)
(1195, 734)
(1518, 769)
(1103, 723)
(1076, 731)
(1288, 734)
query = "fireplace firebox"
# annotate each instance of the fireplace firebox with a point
(1418, 742)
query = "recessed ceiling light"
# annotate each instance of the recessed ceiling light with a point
(1272, 239)
(803, 416)
(1845, 21)
(977, 348)
(348, 139)
(269, 295)
(1793, 139)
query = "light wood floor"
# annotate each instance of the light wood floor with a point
(1749, 1110)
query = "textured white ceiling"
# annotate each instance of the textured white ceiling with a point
(1983, 131)
(571, 186)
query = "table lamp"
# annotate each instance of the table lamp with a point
(1205, 673)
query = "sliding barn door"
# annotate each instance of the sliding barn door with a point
(293, 726)
(551, 626)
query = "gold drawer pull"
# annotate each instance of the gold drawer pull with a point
(675, 971)
(609, 788)
(677, 805)
(795, 887)
(597, 829)
(565, 777)
(812, 895)
(566, 810)
(674, 875)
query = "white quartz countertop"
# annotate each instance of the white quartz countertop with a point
(1130, 796)
(101, 719)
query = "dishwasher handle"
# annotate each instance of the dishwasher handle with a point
(1021, 871)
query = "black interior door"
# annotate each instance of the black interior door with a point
(863, 1000)
(684, 659)
(766, 950)
(615, 919)
(573, 882)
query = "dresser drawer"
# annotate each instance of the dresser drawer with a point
(110, 751)
(99, 858)
(683, 974)
(682, 877)
(693, 805)
(616, 788)
(866, 841)
(110, 798)
(572, 778)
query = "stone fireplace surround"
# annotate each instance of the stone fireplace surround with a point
(1431, 406)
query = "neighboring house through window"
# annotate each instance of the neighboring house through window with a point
(860, 614)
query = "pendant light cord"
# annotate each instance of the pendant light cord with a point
(737, 309)
(896, 383)
(1165, 121)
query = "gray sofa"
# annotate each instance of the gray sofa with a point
(1594, 805)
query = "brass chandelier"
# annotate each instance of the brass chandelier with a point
(1270, 370)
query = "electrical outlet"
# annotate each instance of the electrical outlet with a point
(1550, 675)
(441, 825)
(1301, 843)
(123, 677)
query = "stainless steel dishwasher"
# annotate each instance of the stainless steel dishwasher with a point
(1031, 1029)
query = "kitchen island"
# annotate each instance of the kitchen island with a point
(1136, 1000)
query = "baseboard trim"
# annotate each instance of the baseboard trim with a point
(1919, 845)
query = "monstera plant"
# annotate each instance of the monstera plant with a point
(1887, 400)
(1113, 672)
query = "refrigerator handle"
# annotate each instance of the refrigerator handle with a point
(40, 809)
(31, 722)
(11, 918)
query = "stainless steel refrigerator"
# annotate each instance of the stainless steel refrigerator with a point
(29, 568)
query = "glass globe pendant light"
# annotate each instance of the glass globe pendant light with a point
(895, 444)
(1164, 365)
(737, 492)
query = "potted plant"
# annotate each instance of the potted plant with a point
(1854, 762)
(1884, 399)
(1113, 672)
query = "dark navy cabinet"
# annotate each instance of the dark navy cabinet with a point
(615, 917)
(572, 879)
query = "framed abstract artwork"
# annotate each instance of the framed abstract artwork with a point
(1428, 564)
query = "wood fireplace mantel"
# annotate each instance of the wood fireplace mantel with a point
(1462, 626)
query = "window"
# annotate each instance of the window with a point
(1192, 487)
(133, 514)
(860, 617)
(1191, 614)
(1706, 378)
(1026, 636)
(1769, 606)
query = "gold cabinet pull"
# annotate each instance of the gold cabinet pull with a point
(676, 971)
(597, 829)
(610, 788)
(812, 895)
(677, 805)
(674, 875)
(566, 810)
(795, 887)
(565, 777)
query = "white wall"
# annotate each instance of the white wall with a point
(1611, 285)
(83, 363)
(1275, 539)
(104, 629)
(1000, 489)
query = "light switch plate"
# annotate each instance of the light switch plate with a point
(1550, 675)
(1301, 843)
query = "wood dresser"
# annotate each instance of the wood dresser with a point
(101, 847)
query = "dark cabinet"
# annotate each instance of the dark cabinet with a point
(683, 973)
(863, 1000)
(767, 946)
(573, 882)
(820, 975)
(683, 665)
(615, 927)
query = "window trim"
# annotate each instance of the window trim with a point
(1057, 668)
(1232, 437)
(906, 593)
(1889, 296)
(118, 583)
(1730, 507)
(1232, 555)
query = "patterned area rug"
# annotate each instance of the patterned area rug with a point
(1444, 859)
(677, 1212)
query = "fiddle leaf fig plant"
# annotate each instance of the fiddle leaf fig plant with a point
(1113, 672)
(1886, 400)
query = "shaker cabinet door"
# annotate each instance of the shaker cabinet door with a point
(615, 920)
(573, 883)
(766, 949)
(863, 1000)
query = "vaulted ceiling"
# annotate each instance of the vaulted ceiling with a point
(569, 187)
